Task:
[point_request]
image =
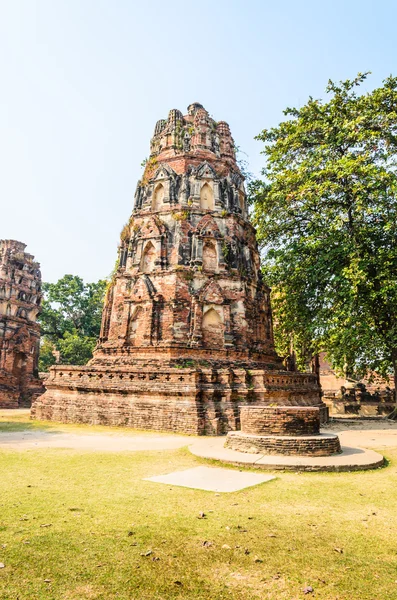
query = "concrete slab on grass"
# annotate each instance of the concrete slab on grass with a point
(212, 479)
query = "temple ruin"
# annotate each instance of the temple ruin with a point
(20, 299)
(369, 397)
(187, 333)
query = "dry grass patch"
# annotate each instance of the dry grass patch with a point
(85, 525)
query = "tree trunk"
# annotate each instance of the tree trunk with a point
(393, 414)
(394, 361)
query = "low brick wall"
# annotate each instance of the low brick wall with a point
(281, 420)
(317, 445)
(186, 400)
(175, 415)
(338, 406)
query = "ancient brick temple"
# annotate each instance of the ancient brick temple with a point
(20, 298)
(187, 326)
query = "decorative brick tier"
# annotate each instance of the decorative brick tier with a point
(267, 420)
(187, 400)
(323, 444)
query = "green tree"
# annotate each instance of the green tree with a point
(326, 214)
(70, 320)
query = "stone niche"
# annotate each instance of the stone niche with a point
(187, 330)
(291, 430)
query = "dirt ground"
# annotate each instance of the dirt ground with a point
(367, 433)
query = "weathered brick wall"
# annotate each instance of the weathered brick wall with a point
(20, 299)
(188, 400)
(266, 420)
(136, 410)
(322, 445)
(9, 392)
(377, 407)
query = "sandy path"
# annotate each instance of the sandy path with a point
(28, 440)
(114, 441)
(368, 434)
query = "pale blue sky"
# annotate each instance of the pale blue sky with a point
(84, 81)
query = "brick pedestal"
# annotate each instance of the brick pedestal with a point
(282, 430)
(283, 420)
(193, 400)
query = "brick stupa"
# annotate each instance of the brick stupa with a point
(187, 335)
(20, 299)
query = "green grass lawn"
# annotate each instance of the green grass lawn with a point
(81, 525)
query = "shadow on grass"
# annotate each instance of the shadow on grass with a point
(20, 426)
(386, 462)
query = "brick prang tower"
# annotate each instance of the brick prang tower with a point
(20, 299)
(187, 333)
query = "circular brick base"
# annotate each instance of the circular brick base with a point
(280, 420)
(324, 444)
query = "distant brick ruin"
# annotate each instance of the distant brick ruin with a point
(369, 397)
(20, 299)
(187, 334)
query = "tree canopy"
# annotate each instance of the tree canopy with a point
(70, 320)
(326, 215)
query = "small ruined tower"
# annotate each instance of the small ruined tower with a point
(20, 299)
(187, 330)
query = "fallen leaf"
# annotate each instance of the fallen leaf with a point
(46, 525)
(178, 582)
(47, 580)
(258, 560)
(340, 550)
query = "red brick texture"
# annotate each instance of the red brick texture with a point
(282, 430)
(20, 299)
(321, 445)
(187, 332)
(265, 420)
